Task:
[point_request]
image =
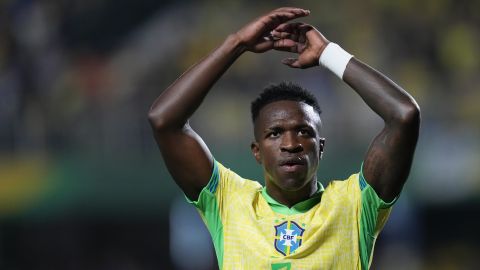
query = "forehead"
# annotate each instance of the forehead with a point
(286, 112)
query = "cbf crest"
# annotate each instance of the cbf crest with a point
(288, 237)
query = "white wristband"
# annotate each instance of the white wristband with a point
(335, 59)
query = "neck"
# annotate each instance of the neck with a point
(290, 198)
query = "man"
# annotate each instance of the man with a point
(292, 223)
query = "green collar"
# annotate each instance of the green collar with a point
(298, 208)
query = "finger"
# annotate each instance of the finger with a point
(304, 28)
(283, 15)
(272, 20)
(296, 10)
(295, 31)
(283, 35)
(285, 45)
(263, 46)
(279, 34)
(288, 27)
(270, 37)
(291, 62)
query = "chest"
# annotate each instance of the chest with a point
(324, 237)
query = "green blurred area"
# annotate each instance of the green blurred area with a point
(40, 189)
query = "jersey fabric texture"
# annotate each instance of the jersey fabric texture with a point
(334, 229)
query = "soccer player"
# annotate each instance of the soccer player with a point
(293, 222)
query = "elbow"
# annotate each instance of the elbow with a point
(408, 114)
(157, 120)
(164, 122)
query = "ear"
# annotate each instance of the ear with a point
(322, 146)
(256, 152)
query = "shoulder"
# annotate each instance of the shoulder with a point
(350, 184)
(343, 192)
(230, 179)
(223, 186)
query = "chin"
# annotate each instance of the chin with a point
(292, 184)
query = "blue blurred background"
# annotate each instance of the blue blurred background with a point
(83, 186)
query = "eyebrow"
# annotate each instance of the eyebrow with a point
(273, 128)
(278, 127)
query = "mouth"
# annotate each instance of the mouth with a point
(293, 164)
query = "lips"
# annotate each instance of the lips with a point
(293, 162)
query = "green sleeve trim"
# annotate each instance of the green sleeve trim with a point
(213, 182)
(210, 187)
(363, 184)
(374, 214)
(208, 207)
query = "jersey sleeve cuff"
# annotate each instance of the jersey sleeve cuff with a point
(211, 186)
(364, 184)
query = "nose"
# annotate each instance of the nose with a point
(290, 143)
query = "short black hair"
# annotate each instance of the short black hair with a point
(283, 91)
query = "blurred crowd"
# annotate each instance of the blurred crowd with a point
(77, 79)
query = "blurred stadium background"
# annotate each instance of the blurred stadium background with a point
(82, 184)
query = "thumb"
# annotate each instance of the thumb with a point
(291, 62)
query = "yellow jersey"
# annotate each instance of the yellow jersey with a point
(334, 229)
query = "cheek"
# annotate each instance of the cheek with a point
(314, 150)
(268, 155)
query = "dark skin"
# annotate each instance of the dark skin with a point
(388, 159)
(289, 147)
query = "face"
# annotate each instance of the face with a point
(288, 144)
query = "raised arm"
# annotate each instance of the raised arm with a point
(185, 154)
(388, 160)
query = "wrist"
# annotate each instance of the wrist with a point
(233, 41)
(334, 58)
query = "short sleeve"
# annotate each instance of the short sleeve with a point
(374, 215)
(209, 208)
(205, 197)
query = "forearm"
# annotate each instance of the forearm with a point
(381, 94)
(385, 97)
(173, 108)
(169, 114)
(388, 160)
(389, 157)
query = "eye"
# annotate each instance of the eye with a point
(305, 132)
(273, 134)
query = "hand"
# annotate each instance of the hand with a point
(256, 36)
(299, 38)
